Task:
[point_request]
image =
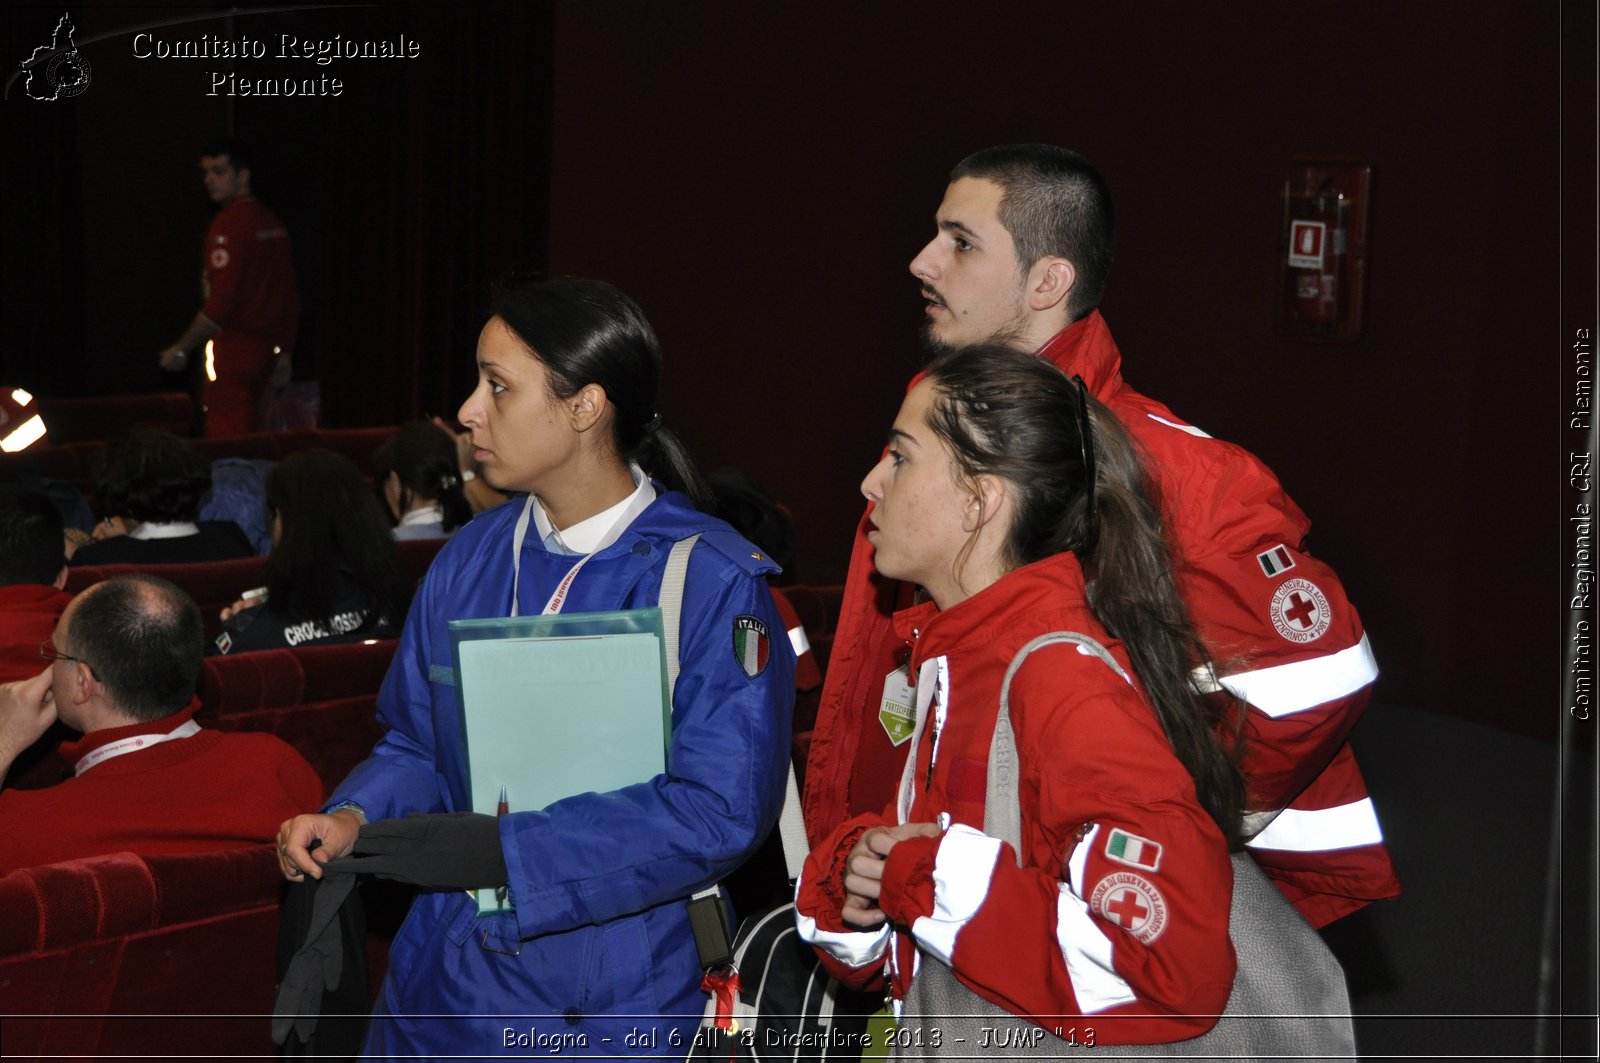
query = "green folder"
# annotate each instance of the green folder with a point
(553, 706)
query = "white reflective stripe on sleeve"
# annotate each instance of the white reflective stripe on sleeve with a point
(1285, 689)
(855, 948)
(1299, 830)
(1084, 947)
(962, 868)
(1087, 952)
(1191, 429)
(1080, 859)
(797, 639)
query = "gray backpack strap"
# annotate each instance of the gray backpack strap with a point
(1002, 812)
(792, 829)
(671, 602)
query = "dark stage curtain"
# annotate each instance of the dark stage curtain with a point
(428, 190)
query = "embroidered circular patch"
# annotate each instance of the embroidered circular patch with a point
(1300, 611)
(751, 644)
(1133, 903)
(219, 258)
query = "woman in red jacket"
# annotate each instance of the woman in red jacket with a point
(1018, 505)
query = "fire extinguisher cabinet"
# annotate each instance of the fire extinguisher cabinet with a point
(1323, 249)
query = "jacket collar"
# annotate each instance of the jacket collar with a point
(1085, 348)
(73, 751)
(1054, 584)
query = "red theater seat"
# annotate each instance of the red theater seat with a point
(320, 699)
(214, 585)
(156, 956)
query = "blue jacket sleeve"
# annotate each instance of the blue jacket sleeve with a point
(594, 857)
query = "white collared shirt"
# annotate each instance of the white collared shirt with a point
(589, 535)
(425, 515)
(152, 530)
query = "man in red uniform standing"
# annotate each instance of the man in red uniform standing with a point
(1021, 255)
(252, 306)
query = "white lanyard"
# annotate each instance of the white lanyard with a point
(558, 597)
(133, 744)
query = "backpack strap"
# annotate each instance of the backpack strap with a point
(1002, 812)
(671, 603)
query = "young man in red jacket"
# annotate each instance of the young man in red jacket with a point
(1021, 255)
(252, 304)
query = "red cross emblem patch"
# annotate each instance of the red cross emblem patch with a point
(1131, 902)
(1300, 611)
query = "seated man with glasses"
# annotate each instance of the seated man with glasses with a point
(125, 660)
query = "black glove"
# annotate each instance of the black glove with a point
(317, 965)
(441, 851)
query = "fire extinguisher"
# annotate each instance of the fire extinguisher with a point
(1319, 244)
(1324, 246)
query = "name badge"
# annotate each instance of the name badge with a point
(896, 712)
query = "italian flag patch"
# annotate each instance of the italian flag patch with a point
(752, 645)
(1133, 850)
(1275, 561)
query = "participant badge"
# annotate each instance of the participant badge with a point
(896, 712)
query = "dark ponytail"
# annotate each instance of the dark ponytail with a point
(423, 457)
(1011, 415)
(588, 332)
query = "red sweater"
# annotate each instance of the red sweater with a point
(212, 790)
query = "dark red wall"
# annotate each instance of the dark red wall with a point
(759, 177)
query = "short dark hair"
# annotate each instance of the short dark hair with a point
(1053, 203)
(423, 456)
(141, 636)
(32, 544)
(335, 539)
(589, 332)
(239, 154)
(151, 475)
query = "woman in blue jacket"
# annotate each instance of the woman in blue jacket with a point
(597, 957)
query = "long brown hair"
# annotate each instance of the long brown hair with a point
(1077, 484)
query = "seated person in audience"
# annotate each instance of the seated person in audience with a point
(737, 498)
(33, 569)
(334, 573)
(422, 482)
(480, 496)
(125, 659)
(148, 495)
(239, 493)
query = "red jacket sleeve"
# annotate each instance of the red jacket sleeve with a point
(1122, 905)
(851, 955)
